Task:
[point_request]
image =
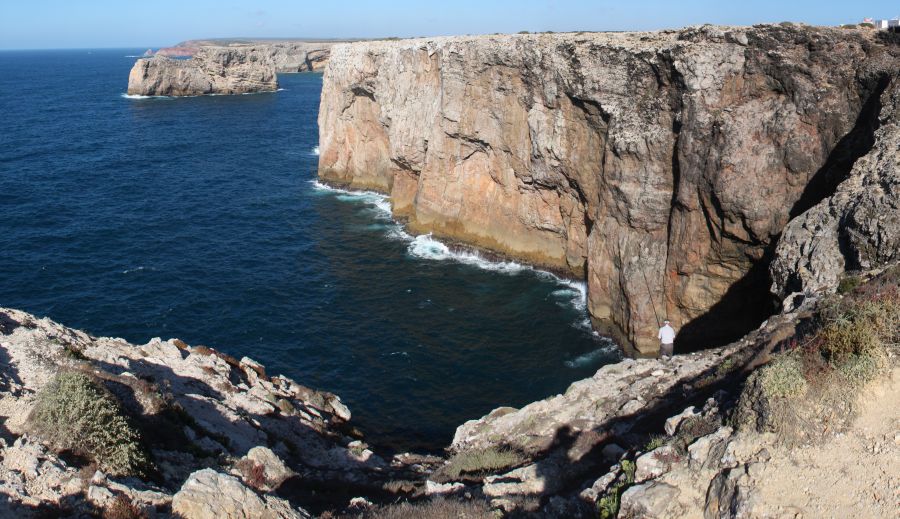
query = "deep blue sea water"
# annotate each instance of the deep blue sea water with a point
(199, 218)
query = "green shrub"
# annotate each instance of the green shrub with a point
(847, 284)
(654, 443)
(608, 504)
(480, 461)
(813, 388)
(783, 377)
(74, 413)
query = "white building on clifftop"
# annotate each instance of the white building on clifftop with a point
(892, 23)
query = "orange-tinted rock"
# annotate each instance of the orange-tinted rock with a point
(662, 166)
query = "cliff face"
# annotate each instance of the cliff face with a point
(660, 166)
(288, 55)
(858, 227)
(299, 56)
(212, 70)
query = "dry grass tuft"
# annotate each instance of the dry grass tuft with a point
(122, 508)
(253, 473)
(479, 462)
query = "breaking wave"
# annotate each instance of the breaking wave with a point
(426, 247)
(593, 357)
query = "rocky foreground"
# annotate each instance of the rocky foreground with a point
(709, 434)
(670, 168)
(219, 432)
(212, 68)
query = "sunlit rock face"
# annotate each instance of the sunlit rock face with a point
(212, 70)
(661, 166)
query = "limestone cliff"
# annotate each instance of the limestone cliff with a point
(858, 227)
(288, 55)
(212, 70)
(661, 166)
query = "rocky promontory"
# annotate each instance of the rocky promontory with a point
(662, 167)
(212, 70)
(220, 67)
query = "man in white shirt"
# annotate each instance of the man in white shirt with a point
(666, 340)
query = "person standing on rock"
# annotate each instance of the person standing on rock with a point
(666, 340)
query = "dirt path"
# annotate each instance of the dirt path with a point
(856, 474)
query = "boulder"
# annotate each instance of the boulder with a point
(274, 470)
(652, 500)
(672, 423)
(208, 493)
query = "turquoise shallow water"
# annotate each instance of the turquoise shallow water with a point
(200, 218)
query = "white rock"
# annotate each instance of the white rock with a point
(275, 469)
(100, 496)
(673, 422)
(209, 494)
(654, 463)
(432, 488)
(653, 500)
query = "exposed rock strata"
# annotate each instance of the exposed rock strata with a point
(661, 166)
(212, 70)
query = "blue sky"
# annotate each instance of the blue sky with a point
(32, 24)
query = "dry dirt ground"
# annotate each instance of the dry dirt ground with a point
(853, 475)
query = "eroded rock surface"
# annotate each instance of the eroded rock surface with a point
(661, 166)
(857, 228)
(208, 494)
(288, 55)
(195, 408)
(212, 70)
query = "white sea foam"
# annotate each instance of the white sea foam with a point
(315, 151)
(586, 359)
(425, 247)
(137, 269)
(138, 96)
(377, 201)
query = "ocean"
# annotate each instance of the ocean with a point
(201, 218)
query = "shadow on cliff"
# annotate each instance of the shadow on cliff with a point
(575, 458)
(848, 150)
(748, 301)
(742, 308)
(327, 476)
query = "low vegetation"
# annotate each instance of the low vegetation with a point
(253, 473)
(479, 462)
(608, 505)
(75, 413)
(440, 508)
(122, 508)
(812, 387)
